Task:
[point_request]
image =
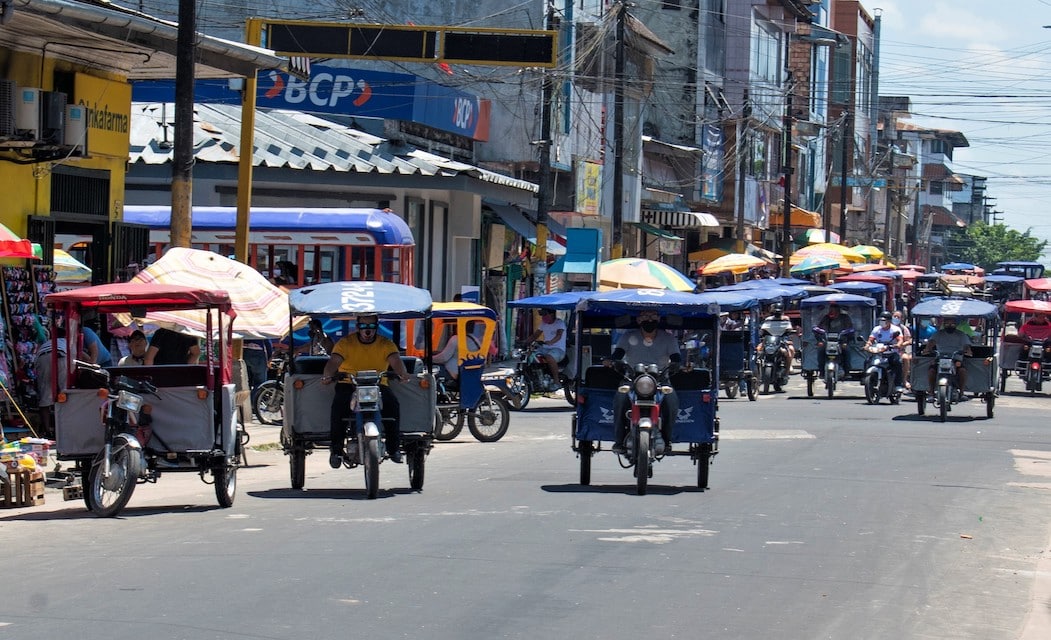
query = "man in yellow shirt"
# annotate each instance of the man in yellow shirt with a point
(363, 350)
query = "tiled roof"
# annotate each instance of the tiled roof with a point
(293, 140)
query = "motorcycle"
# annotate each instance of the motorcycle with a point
(774, 370)
(116, 469)
(533, 373)
(647, 386)
(268, 400)
(878, 375)
(1036, 368)
(510, 384)
(947, 386)
(364, 444)
(834, 345)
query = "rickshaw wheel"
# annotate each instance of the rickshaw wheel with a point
(704, 463)
(570, 391)
(810, 385)
(490, 419)
(372, 469)
(921, 402)
(448, 423)
(585, 449)
(417, 462)
(753, 390)
(106, 497)
(731, 389)
(297, 467)
(268, 403)
(1003, 380)
(642, 462)
(990, 400)
(225, 485)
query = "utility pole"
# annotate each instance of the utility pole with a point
(786, 165)
(742, 168)
(544, 171)
(182, 155)
(617, 248)
(847, 134)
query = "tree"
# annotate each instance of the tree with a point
(984, 245)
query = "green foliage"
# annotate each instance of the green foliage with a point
(986, 244)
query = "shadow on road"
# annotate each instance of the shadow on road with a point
(662, 490)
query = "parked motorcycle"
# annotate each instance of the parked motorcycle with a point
(268, 399)
(116, 470)
(878, 375)
(535, 375)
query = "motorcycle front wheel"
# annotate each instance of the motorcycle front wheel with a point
(490, 419)
(830, 382)
(520, 392)
(372, 468)
(225, 478)
(642, 462)
(106, 495)
(942, 400)
(871, 389)
(269, 402)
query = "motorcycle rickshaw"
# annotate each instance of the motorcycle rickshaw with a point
(128, 425)
(874, 290)
(893, 282)
(844, 354)
(1037, 289)
(738, 364)
(1035, 369)
(981, 365)
(482, 404)
(697, 389)
(308, 401)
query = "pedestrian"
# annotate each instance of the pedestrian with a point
(137, 346)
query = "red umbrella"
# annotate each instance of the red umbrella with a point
(11, 246)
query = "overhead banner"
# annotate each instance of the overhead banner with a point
(346, 92)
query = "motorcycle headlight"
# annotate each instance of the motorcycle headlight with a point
(645, 386)
(129, 401)
(368, 394)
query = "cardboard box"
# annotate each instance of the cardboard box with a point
(25, 489)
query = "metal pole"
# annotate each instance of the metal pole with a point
(544, 172)
(182, 155)
(843, 175)
(617, 249)
(786, 207)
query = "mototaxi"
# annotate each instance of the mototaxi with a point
(467, 398)
(697, 388)
(308, 402)
(849, 362)
(1034, 369)
(192, 423)
(981, 366)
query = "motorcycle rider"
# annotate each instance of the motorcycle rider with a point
(1035, 329)
(552, 338)
(886, 332)
(645, 345)
(778, 324)
(906, 349)
(835, 321)
(363, 350)
(948, 340)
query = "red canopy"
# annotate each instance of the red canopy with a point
(1028, 306)
(1038, 284)
(122, 296)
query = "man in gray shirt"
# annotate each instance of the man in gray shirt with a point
(948, 340)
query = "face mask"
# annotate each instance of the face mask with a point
(648, 326)
(895, 321)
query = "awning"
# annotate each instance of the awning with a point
(654, 231)
(514, 218)
(800, 218)
(679, 219)
(574, 263)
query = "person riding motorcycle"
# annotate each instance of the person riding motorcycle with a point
(778, 324)
(1036, 329)
(891, 335)
(363, 350)
(645, 345)
(948, 340)
(552, 339)
(835, 321)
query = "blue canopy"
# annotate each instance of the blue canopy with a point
(860, 287)
(958, 266)
(842, 299)
(388, 300)
(1003, 278)
(730, 300)
(559, 301)
(771, 282)
(955, 307)
(634, 300)
(765, 295)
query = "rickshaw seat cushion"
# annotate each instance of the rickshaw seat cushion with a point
(599, 377)
(695, 379)
(166, 375)
(310, 364)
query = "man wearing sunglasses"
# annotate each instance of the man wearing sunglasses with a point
(363, 350)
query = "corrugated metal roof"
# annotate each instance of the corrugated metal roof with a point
(291, 139)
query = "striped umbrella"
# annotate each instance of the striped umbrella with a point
(869, 251)
(734, 263)
(639, 273)
(262, 308)
(11, 246)
(815, 264)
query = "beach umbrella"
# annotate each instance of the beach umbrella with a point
(734, 263)
(720, 247)
(869, 251)
(12, 246)
(69, 269)
(828, 247)
(813, 236)
(639, 273)
(262, 308)
(815, 264)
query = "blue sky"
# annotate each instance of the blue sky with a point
(981, 69)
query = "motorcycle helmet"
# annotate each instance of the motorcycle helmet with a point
(885, 316)
(777, 308)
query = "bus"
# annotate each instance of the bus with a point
(297, 246)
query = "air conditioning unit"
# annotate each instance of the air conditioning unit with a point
(27, 113)
(7, 108)
(52, 117)
(76, 133)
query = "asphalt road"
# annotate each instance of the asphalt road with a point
(825, 519)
